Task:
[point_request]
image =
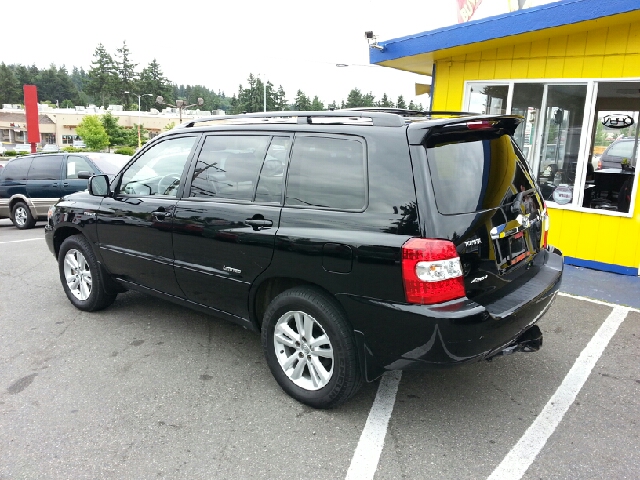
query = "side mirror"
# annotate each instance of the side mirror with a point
(99, 186)
(84, 175)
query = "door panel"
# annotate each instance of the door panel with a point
(135, 225)
(44, 177)
(224, 231)
(218, 253)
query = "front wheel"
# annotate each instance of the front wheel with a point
(21, 216)
(310, 349)
(81, 276)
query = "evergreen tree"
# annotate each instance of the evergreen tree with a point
(126, 77)
(10, 91)
(354, 99)
(400, 103)
(101, 77)
(24, 75)
(301, 102)
(154, 82)
(385, 102)
(280, 100)
(316, 104)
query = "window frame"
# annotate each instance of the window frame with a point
(586, 141)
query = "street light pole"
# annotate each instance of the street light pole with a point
(139, 97)
(180, 104)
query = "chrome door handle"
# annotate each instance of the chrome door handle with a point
(259, 224)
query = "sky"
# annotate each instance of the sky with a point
(296, 44)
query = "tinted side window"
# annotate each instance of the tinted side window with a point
(16, 170)
(158, 170)
(228, 166)
(270, 183)
(46, 167)
(327, 172)
(77, 164)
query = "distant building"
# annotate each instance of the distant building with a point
(58, 125)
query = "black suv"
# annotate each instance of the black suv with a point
(355, 241)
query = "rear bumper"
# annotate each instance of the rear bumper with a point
(394, 336)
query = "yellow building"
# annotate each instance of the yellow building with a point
(572, 70)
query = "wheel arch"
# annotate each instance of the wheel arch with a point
(23, 199)
(61, 234)
(262, 295)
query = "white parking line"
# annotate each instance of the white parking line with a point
(593, 300)
(365, 459)
(25, 240)
(522, 455)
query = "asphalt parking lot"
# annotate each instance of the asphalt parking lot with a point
(146, 389)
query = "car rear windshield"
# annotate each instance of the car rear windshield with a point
(475, 171)
(621, 149)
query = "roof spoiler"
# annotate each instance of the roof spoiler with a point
(507, 123)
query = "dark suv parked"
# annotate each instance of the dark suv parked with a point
(29, 185)
(355, 241)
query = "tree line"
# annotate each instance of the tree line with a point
(111, 76)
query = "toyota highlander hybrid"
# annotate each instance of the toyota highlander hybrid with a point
(354, 241)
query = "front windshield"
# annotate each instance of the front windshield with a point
(109, 163)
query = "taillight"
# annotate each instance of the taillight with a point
(481, 125)
(431, 271)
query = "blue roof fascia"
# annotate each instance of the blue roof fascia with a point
(550, 15)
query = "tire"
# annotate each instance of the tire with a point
(321, 375)
(21, 216)
(81, 276)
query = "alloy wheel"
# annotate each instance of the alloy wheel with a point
(77, 274)
(20, 215)
(303, 350)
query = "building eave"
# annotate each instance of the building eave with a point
(417, 53)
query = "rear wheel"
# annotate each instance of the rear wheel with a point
(21, 216)
(81, 276)
(310, 349)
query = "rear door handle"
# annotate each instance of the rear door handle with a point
(259, 224)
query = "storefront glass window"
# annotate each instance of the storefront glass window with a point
(488, 99)
(581, 140)
(560, 146)
(611, 169)
(527, 101)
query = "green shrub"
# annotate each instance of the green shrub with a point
(125, 150)
(10, 153)
(71, 149)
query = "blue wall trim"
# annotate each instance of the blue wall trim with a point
(605, 267)
(551, 15)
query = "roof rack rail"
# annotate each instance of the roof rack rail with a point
(405, 112)
(325, 117)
